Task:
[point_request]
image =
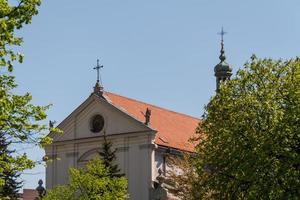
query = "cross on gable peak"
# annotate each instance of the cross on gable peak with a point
(98, 67)
(98, 87)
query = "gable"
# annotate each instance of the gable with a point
(78, 124)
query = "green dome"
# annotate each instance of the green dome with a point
(223, 68)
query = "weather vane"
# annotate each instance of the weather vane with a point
(98, 67)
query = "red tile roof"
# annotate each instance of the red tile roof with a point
(173, 129)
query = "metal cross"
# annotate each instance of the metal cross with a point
(98, 67)
(222, 33)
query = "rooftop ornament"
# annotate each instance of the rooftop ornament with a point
(40, 189)
(98, 89)
(222, 70)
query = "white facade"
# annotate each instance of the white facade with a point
(133, 140)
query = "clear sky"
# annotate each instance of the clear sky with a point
(161, 51)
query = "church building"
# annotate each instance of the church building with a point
(142, 134)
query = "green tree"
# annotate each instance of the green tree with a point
(19, 119)
(249, 139)
(94, 182)
(12, 18)
(181, 178)
(9, 175)
(12, 185)
(109, 157)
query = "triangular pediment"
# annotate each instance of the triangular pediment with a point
(78, 124)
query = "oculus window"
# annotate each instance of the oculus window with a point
(97, 123)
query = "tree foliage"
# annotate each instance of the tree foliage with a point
(12, 18)
(249, 140)
(19, 118)
(94, 182)
(109, 157)
(181, 177)
(9, 175)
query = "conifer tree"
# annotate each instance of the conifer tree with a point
(109, 156)
(11, 186)
(8, 174)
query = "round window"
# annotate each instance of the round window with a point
(97, 123)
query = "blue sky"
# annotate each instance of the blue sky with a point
(161, 51)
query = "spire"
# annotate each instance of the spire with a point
(222, 56)
(222, 70)
(98, 89)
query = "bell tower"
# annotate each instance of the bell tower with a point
(222, 70)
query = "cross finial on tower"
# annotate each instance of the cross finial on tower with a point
(222, 33)
(98, 87)
(222, 56)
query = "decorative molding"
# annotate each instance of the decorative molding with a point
(131, 134)
(87, 154)
(147, 146)
(169, 151)
(122, 149)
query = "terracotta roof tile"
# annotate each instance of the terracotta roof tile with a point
(173, 129)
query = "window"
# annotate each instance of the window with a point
(97, 124)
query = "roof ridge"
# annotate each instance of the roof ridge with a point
(153, 105)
